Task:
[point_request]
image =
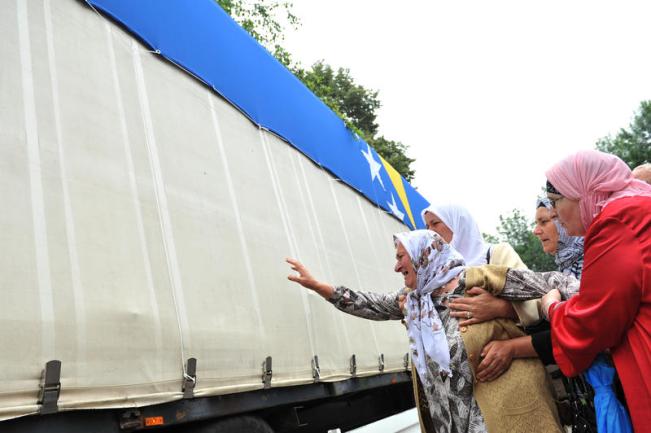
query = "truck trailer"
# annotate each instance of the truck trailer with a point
(156, 167)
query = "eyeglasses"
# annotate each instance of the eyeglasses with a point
(554, 198)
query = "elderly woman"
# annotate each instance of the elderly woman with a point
(443, 354)
(595, 195)
(457, 227)
(567, 250)
(568, 254)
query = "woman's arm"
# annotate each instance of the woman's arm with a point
(523, 284)
(599, 317)
(368, 305)
(497, 356)
(519, 284)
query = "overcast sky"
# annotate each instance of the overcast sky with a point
(487, 94)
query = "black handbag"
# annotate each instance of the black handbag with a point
(575, 401)
(580, 396)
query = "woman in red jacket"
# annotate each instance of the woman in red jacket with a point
(596, 196)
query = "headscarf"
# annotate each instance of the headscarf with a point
(595, 179)
(466, 236)
(435, 263)
(569, 252)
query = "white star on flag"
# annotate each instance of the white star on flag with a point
(373, 165)
(394, 208)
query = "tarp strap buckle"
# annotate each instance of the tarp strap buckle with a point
(267, 372)
(316, 370)
(381, 362)
(405, 361)
(353, 365)
(190, 378)
(50, 387)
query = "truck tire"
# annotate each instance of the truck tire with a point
(240, 424)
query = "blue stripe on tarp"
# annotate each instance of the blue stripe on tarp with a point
(201, 38)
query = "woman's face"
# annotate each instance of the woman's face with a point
(434, 223)
(545, 230)
(569, 214)
(405, 267)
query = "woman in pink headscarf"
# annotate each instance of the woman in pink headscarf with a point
(596, 196)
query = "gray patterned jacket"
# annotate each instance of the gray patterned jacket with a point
(452, 407)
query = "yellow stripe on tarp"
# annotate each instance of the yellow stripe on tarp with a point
(396, 180)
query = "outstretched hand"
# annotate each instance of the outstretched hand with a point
(305, 279)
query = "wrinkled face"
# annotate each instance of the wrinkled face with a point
(569, 214)
(435, 224)
(405, 267)
(545, 230)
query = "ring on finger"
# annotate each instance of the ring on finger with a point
(468, 315)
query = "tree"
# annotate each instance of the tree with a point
(265, 21)
(633, 145)
(518, 232)
(355, 104)
(396, 154)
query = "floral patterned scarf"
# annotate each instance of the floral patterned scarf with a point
(435, 263)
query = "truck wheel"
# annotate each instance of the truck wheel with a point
(240, 424)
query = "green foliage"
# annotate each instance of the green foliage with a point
(491, 239)
(265, 21)
(633, 144)
(355, 104)
(395, 153)
(518, 232)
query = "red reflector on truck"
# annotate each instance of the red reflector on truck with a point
(154, 420)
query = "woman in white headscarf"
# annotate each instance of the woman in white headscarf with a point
(445, 354)
(457, 227)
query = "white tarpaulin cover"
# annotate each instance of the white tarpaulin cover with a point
(145, 221)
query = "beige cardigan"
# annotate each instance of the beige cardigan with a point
(528, 311)
(526, 403)
(525, 391)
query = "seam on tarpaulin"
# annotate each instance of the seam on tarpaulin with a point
(328, 266)
(135, 198)
(289, 233)
(39, 221)
(295, 160)
(71, 238)
(238, 219)
(350, 251)
(161, 204)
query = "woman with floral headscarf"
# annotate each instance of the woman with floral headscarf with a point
(443, 356)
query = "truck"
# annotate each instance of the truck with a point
(156, 167)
